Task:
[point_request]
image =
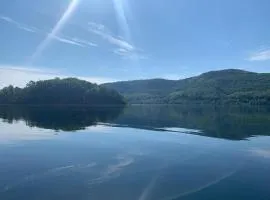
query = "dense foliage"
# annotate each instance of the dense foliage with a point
(60, 91)
(225, 86)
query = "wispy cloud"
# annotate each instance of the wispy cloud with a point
(84, 42)
(67, 41)
(59, 38)
(261, 55)
(28, 69)
(105, 33)
(20, 76)
(73, 41)
(122, 48)
(129, 54)
(19, 25)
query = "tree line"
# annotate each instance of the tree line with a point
(60, 91)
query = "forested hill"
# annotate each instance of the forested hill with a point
(225, 86)
(60, 91)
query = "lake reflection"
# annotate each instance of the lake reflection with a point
(233, 122)
(140, 153)
(63, 118)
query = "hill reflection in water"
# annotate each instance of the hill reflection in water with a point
(59, 118)
(234, 122)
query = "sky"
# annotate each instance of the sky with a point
(114, 40)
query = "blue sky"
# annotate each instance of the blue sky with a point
(109, 40)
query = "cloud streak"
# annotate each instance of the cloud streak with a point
(262, 55)
(75, 41)
(67, 41)
(84, 42)
(19, 25)
(121, 47)
(101, 30)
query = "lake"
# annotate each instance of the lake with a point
(189, 152)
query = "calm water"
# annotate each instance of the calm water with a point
(136, 153)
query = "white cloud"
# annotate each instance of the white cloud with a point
(19, 25)
(20, 76)
(262, 55)
(122, 48)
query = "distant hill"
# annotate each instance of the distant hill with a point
(60, 91)
(225, 86)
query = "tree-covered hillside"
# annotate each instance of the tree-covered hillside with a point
(225, 86)
(60, 91)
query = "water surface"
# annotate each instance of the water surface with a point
(140, 153)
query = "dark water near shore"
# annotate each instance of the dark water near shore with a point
(135, 153)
